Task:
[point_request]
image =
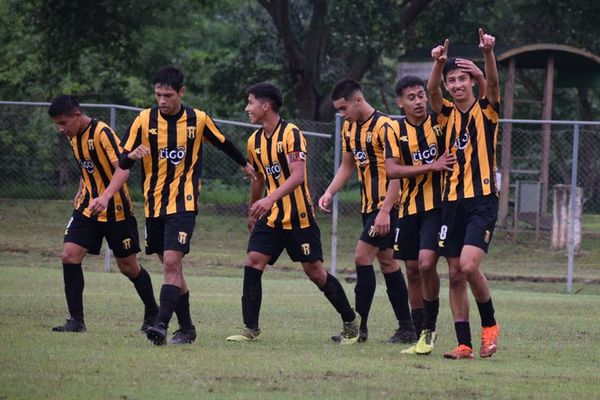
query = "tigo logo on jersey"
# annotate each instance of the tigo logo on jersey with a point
(273, 170)
(426, 156)
(175, 156)
(360, 156)
(462, 141)
(88, 165)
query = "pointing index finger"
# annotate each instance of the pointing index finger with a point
(481, 35)
(446, 42)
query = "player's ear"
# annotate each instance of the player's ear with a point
(399, 102)
(181, 91)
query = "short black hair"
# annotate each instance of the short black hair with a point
(407, 81)
(449, 66)
(267, 91)
(65, 104)
(169, 75)
(345, 89)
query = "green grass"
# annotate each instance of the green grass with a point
(542, 355)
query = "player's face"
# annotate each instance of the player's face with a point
(349, 108)
(256, 109)
(459, 84)
(168, 99)
(414, 101)
(68, 125)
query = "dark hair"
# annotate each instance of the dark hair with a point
(64, 104)
(449, 66)
(169, 76)
(267, 91)
(345, 89)
(408, 81)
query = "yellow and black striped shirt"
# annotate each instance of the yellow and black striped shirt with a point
(269, 156)
(96, 150)
(472, 137)
(366, 142)
(417, 145)
(171, 172)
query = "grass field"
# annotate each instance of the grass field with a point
(548, 347)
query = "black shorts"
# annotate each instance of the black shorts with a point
(417, 232)
(171, 232)
(467, 222)
(302, 245)
(368, 233)
(122, 236)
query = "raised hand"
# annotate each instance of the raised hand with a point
(469, 67)
(440, 53)
(486, 42)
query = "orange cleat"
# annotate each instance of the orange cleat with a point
(489, 340)
(462, 351)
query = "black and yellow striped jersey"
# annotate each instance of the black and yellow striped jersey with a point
(171, 172)
(96, 150)
(269, 157)
(417, 145)
(472, 137)
(366, 142)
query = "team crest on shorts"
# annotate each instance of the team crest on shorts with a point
(182, 237)
(372, 231)
(487, 236)
(126, 244)
(305, 248)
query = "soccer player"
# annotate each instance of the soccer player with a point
(469, 198)
(284, 218)
(364, 133)
(168, 138)
(414, 154)
(102, 209)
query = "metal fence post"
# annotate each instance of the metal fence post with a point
(572, 206)
(113, 124)
(334, 215)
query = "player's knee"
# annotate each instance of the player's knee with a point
(69, 257)
(316, 274)
(412, 275)
(171, 265)
(426, 267)
(129, 268)
(469, 268)
(456, 278)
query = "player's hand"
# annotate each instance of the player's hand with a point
(261, 207)
(76, 199)
(440, 53)
(486, 42)
(98, 204)
(138, 153)
(444, 162)
(382, 223)
(469, 67)
(249, 171)
(251, 222)
(325, 201)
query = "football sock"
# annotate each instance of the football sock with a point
(182, 310)
(431, 309)
(364, 292)
(463, 333)
(169, 296)
(143, 286)
(334, 292)
(251, 296)
(486, 311)
(73, 278)
(398, 295)
(417, 315)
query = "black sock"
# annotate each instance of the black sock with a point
(143, 286)
(417, 315)
(251, 296)
(364, 292)
(431, 310)
(73, 278)
(486, 311)
(398, 295)
(169, 296)
(182, 310)
(334, 292)
(463, 333)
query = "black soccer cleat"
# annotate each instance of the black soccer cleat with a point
(157, 334)
(183, 336)
(72, 325)
(148, 322)
(405, 336)
(363, 335)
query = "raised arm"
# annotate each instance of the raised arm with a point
(492, 89)
(436, 98)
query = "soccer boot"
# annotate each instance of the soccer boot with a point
(148, 322)
(183, 336)
(410, 350)
(246, 335)
(157, 334)
(461, 352)
(405, 336)
(363, 335)
(72, 325)
(426, 342)
(350, 332)
(489, 340)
